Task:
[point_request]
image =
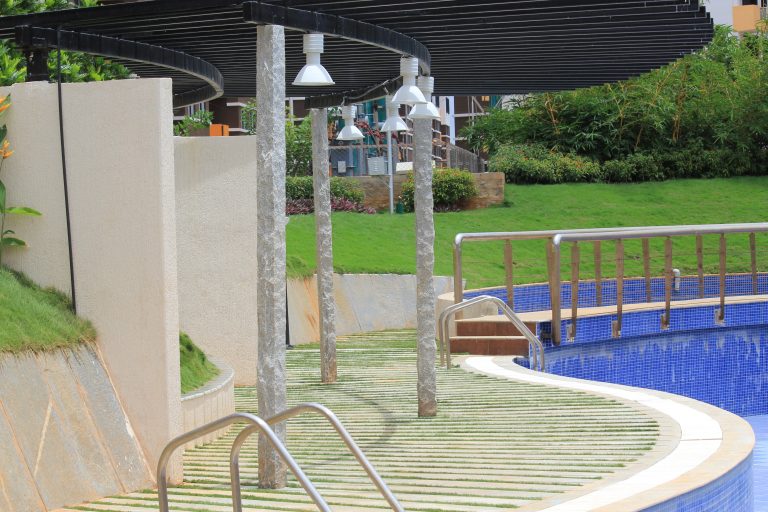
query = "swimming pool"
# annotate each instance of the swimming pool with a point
(725, 367)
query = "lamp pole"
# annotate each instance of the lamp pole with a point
(391, 171)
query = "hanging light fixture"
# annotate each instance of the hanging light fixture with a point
(313, 73)
(409, 94)
(394, 122)
(425, 110)
(350, 131)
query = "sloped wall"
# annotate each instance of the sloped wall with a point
(64, 436)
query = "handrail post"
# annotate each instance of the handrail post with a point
(665, 318)
(575, 261)
(598, 273)
(723, 253)
(700, 264)
(556, 290)
(647, 269)
(458, 280)
(619, 288)
(753, 257)
(510, 273)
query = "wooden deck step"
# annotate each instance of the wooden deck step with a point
(489, 326)
(490, 345)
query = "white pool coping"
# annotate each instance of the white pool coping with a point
(701, 438)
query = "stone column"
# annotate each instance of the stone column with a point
(270, 250)
(324, 239)
(425, 264)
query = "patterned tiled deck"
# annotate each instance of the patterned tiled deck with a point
(496, 444)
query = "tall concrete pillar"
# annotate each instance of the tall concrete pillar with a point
(425, 264)
(270, 285)
(324, 247)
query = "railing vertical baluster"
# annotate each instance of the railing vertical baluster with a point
(647, 268)
(555, 290)
(753, 254)
(619, 287)
(598, 273)
(575, 260)
(723, 253)
(700, 264)
(510, 270)
(665, 318)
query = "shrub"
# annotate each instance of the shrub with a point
(532, 163)
(307, 206)
(450, 188)
(301, 187)
(633, 168)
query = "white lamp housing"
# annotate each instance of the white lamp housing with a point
(350, 131)
(425, 110)
(313, 74)
(394, 122)
(409, 94)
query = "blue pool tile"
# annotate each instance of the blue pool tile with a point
(760, 461)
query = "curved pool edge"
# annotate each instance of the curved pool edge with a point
(710, 447)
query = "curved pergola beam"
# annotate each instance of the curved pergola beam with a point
(123, 49)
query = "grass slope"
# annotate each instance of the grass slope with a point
(35, 319)
(386, 244)
(196, 369)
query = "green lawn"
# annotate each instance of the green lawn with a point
(384, 243)
(196, 369)
(35, 319)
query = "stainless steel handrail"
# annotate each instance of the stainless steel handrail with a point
(257, 424)
(234, 458)
(536, 355)
(601, 235)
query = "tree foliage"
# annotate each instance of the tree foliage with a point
(711, 101)
(75, 66)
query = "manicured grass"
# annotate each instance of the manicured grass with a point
(196, 369)
(35, 319)
(386, 244)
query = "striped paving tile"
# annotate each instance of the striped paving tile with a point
(495, 445)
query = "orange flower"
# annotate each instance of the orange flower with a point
(4, 107)
(6, 154)
(5, 145)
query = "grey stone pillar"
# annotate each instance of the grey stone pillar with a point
(324, 247)
(425, 264)
(270, 250)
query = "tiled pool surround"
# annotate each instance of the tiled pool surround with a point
(708, 470)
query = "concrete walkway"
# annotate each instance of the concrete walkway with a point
(496, 444)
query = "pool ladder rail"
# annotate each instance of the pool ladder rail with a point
(260, 425)
(535, 347)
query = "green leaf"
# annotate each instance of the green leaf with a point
(12, 242)
(9, 232)
(23, 210)
(2, 197)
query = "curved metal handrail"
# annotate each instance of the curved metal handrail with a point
(536, 356)
(257, 424)
(234, 460)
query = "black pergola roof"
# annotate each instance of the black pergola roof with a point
(472, 46)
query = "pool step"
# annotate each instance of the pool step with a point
(489, 326)
(490, 345)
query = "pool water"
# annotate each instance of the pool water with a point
(726, 367)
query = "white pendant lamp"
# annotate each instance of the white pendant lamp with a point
(313, 73)
(409, 94)
(350, 131)
(425, 110)
(394, 122)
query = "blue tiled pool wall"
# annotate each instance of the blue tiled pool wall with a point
(727, 368)
(642, 323)
(535, 297)
(732, 492)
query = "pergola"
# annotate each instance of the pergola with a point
(213, 48)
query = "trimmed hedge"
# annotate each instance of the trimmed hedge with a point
(301, 187)
(450, 189)
(532, 163)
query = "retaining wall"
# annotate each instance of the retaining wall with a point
(211, 402)
(64, 436)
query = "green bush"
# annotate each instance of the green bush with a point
(533, 163)
(301, 187)
(633, 168)
(451, 188)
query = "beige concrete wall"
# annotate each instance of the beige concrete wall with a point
(119, 146)
(490, 188)
(64, 437)
(364, 303)
(216, 236)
